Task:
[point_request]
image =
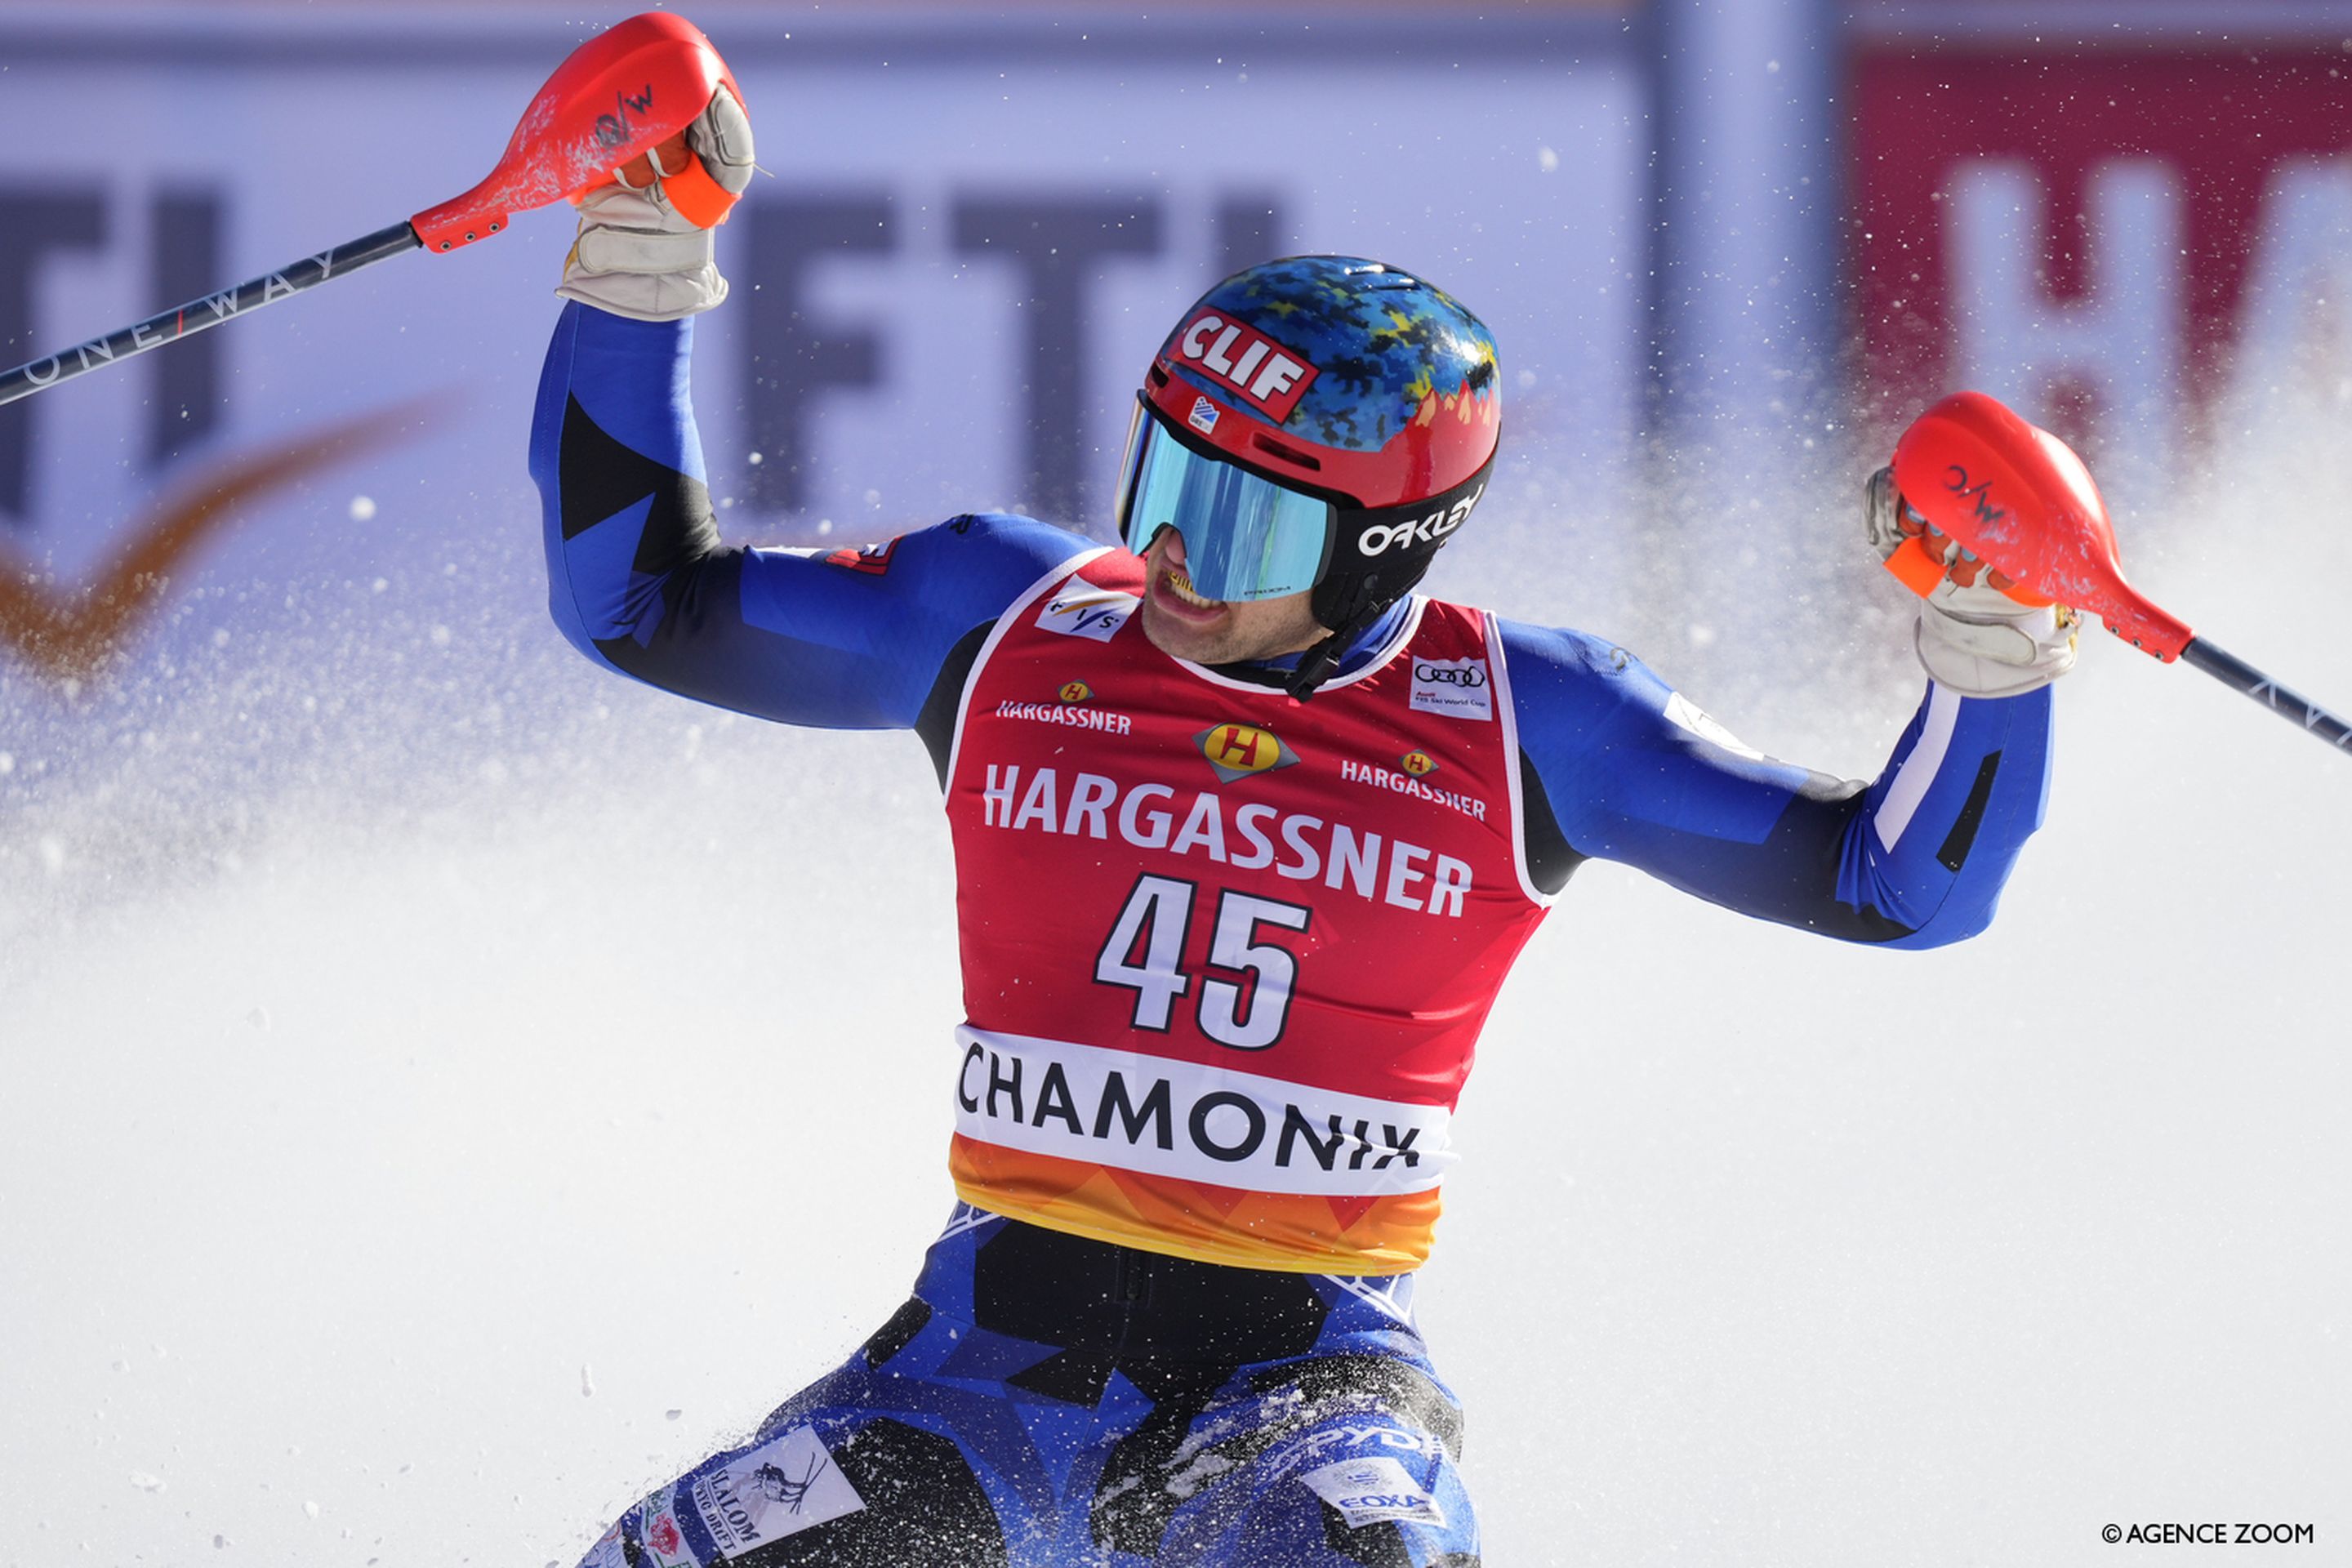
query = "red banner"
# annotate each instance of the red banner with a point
(2088, 234)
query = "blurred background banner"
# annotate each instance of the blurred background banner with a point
(1727, 250)
(977, 231)
(2129, 221)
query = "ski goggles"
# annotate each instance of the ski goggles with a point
(1246, 536)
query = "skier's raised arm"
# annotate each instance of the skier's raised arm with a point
(1623, 767)
(638, 578)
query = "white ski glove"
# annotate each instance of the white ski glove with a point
(644, 249)
(1979, 634)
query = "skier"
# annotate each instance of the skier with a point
(1247, 834)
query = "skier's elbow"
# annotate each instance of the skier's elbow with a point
(1951, 922)
(563, 608)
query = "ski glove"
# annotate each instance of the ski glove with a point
(1979, 634)
(644, 249)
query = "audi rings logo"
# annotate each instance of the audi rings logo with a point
(1469, 674)
(1382, 537)
(1458, 687)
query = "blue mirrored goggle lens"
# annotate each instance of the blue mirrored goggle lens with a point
(1244, 537)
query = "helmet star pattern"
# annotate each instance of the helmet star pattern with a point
(1391, 350)
(1350, 380)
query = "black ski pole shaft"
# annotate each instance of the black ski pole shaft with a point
(211, 310)
(2293, 707)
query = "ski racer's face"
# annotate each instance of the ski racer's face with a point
(1182, 624)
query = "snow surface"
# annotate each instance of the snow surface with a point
(451, 1089)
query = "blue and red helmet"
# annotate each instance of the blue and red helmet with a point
(1319, 422)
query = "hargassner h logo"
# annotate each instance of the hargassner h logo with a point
(1195, 1123)
(1237, 751)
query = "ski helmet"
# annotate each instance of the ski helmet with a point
(1319, 422)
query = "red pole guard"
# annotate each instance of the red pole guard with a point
(615, 97)
(2019, 498)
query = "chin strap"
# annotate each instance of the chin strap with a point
(1315, 666)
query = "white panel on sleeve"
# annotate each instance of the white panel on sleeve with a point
(1920, 769)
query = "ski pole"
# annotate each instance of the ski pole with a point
(615, 97)
(2239, 676)
(2019, 497)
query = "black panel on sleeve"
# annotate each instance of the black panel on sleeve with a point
(598, 476)
(936, 722)
(1963, 836)
(1812, 832)
(1552, 860)
(679, 543)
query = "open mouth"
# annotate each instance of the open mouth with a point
(1179, 584)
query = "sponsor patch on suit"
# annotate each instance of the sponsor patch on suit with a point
(1078, 609)
(1368, 1491)
(782, 1487)
(1458, 687)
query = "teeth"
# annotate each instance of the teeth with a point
(1182, 585)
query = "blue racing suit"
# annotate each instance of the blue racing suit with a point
(1044, 1399)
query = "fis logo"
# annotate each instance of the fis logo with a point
(1082, 610)
(1419, 764)
(1203, 416)
(1238, 751)
(1076, 692)
(1269, 377)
